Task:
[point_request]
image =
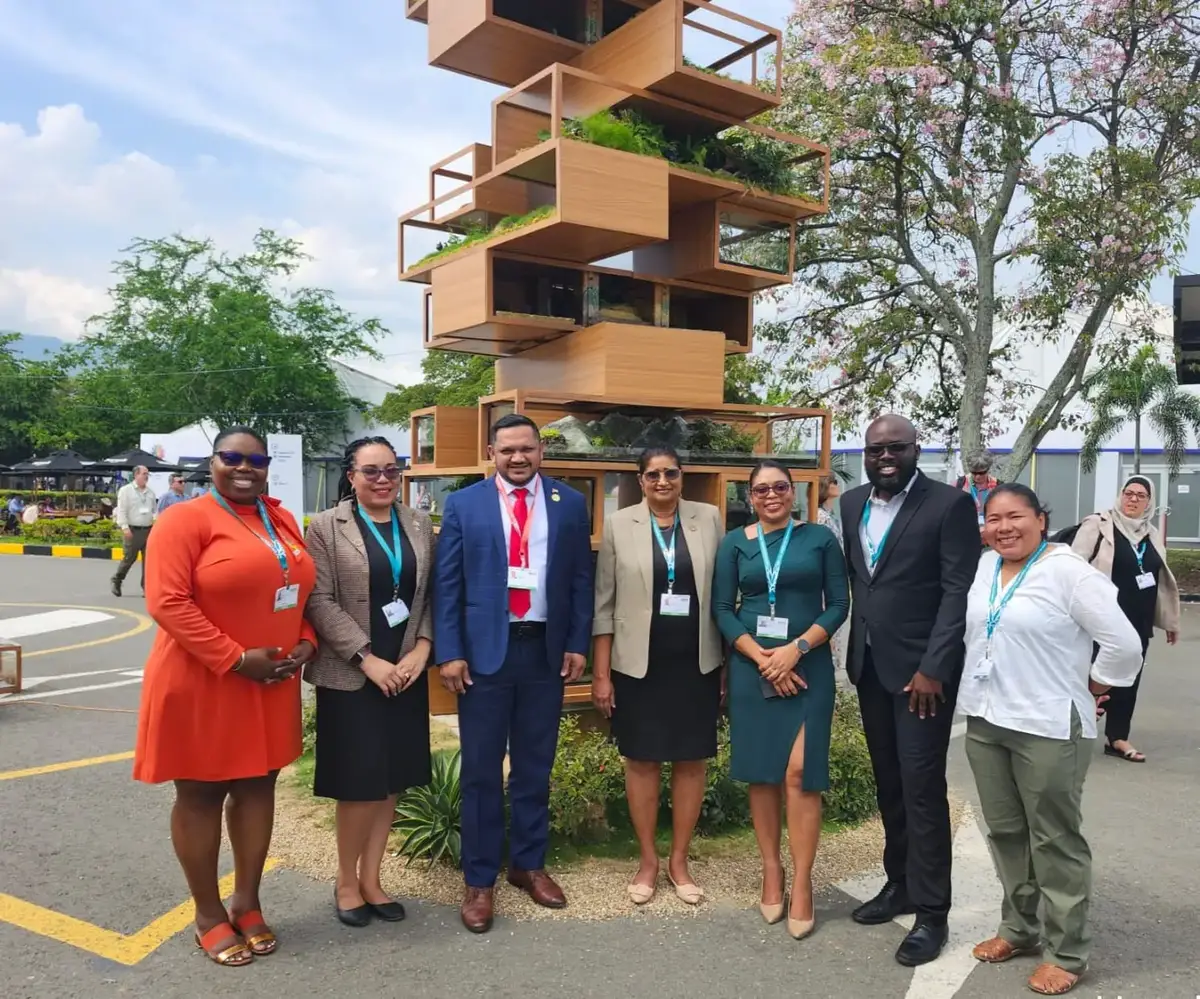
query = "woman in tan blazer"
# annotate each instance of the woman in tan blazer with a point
(371, 610)
(656, 663)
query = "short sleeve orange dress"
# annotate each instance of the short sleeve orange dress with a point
(211, 580)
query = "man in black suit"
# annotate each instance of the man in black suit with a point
(913, 546)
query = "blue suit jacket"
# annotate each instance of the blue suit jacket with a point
(470, 580)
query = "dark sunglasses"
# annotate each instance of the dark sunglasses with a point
(670, 474)
(766, 488)
(235, 459)
(896, 448)
(372, 473)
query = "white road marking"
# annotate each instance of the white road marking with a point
(70, 690)
(56, 620)
(974, 916)
(36, 681)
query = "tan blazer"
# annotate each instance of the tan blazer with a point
(340, 605)
(1095, 534)
(625, 583)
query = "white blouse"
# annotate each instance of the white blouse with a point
(1041, 647)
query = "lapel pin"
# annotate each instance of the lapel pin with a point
(554, 496)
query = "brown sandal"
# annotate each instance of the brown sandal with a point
(257, 934)
(1051, 980)
(236, 955)
(997, 950)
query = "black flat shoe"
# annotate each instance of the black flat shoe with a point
(922, 945)
(358, 917)
(892, 901)
(391, 912)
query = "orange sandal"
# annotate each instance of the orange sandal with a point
(1051, 980)
(262, 942)
(236, 955)
(997, 950)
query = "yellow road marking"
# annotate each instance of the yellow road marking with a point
(66, 551)
(53, 768)
(127, 950)
(142, 623)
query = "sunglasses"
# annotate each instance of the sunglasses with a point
(895, 448)
(235, 459)
(670, 474)
(766, 488)
(372, 473)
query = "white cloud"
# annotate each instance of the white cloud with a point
(50, 303)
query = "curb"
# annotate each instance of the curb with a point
(64, 551)
(1190, 598)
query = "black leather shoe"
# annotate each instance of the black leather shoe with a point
(116, 587)
(358, 917)
(923, 944)
(391, 912)
(891, 902)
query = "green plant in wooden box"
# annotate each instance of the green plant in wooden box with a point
(476, 234)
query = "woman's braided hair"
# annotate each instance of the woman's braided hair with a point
(348, 457)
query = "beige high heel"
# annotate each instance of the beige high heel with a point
(773, 912)
(798, 929)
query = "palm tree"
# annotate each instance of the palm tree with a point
(1146, 389)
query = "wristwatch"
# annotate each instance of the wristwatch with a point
(803, 646)
(360, 655)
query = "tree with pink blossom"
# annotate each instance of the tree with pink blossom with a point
(1006, 173)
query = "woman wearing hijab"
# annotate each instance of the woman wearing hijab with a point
(1124, 544)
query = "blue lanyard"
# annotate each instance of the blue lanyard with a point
(874, 552)
(773, 570)
(395, 554)
(273, 543)
(994, 609)
(1140, 552)
(668, 552)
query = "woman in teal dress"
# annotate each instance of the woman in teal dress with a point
(781, 683)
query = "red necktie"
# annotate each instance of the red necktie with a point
(518, 600)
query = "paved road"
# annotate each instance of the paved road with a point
(88, 846)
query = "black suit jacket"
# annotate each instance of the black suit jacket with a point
(915, 606)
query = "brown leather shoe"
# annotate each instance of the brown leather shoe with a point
(540, 886)
(477, 909)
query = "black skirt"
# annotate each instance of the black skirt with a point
(671, 713)
(370, 746)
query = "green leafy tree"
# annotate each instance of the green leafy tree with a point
(450, 379)
(196, 334)
(1145, 390)
(29, 393)
(1006, 174)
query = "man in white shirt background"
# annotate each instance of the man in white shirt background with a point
(137, 506)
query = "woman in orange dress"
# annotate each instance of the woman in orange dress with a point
(227, 581)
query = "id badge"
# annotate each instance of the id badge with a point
(396, 612)
(287, 597)
(981, 520)
(522, 578)
(982, 670)
(675, 604)
(1145, 581)
(772, 627)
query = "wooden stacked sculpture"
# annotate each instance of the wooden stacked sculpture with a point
(613, 143)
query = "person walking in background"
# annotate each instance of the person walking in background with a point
(173, 495)
(656, 666)
(912, 545)
(512, 620)
(828, 491)
(136, 509)
(1124, 545)
(1034, 611)
(779, 592)
(371, 610)
(228, 581)
(980, 482)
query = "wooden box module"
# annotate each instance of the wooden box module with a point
(443, 437)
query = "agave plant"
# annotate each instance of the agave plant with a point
(430, 817)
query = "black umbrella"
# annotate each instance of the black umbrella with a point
(131, 459)
(199, 471)
(55, 463)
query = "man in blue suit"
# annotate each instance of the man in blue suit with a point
(512, 620)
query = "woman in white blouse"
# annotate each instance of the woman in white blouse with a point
(1029, 692)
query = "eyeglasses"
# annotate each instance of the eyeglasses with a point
(764, 489)
(896, 448)
(373, 473)
(1136, 495)
(670, 474)
(235, 459)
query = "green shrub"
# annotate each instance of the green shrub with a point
(430, 817)
(480, 234)
(850, 799)
(726, 802)
(308, 723)
(101, 534)
(1185, 564)
(587, 778)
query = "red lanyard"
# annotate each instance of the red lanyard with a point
(530, 504)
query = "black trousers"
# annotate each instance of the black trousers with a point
(908, 755)
(130, 549)
(1118, 710)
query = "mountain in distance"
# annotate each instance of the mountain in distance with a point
(35, 348)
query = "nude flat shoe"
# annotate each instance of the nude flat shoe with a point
(689, 893)
(639, 894)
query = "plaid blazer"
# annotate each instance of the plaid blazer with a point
(339, 608)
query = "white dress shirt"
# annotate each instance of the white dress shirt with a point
(135, 507)
(539, 541)
(883, 515)
(1041, 648)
